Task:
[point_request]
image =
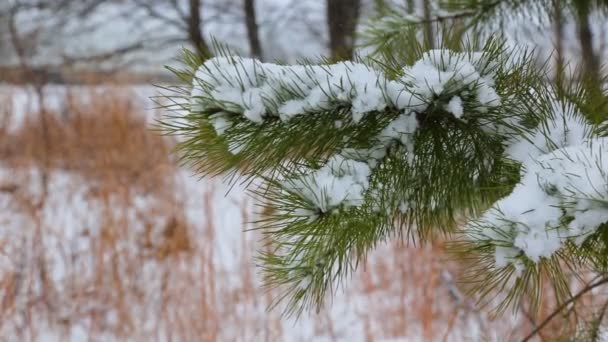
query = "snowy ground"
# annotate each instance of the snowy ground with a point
(172, 263)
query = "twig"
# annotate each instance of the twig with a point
(587, 288)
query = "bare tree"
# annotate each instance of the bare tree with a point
(42, 33)
(5, 47)
(559, 42)
(591, 63)
(57, 40)
(186, 19)
(255, 47)
(195, 33)
(342, 17)
(428, 24)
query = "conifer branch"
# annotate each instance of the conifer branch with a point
(355, 153)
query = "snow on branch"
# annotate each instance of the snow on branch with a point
(351, 155)
(232, 88)
(259, 90)
(562, 196)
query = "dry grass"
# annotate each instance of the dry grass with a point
(108, 251)
(101, 135)
(123, 245)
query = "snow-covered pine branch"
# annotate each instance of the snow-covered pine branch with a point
(353, 154)
(261, 90)
(562, 197)
(554, 216)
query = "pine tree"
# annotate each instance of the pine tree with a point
(469, 140)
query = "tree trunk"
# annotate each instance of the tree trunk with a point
(428, 25)
(592, 74)
(559, 43)
(342, 17)
(195, 34)
(591, 66)
(255, 48)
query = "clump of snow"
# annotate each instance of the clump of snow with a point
(341, 181)
(455, 107)
(344, 179)
(220, 122)
(404, 207)
(561, 197)
(400, 129)
(368, 155)
(439, 71)
(256, 89)
(403, 99)
(565, 127)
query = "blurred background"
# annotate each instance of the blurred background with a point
(103, 236)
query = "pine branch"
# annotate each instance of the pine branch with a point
(355, 153)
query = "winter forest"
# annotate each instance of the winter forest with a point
(303, 170)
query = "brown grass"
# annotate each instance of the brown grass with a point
(111, 144)
(67, 75)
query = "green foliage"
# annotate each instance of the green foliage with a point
(308, 257)
(455, 168)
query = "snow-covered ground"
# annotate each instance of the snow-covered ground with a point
(172, 262)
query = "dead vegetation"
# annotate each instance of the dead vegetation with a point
(102, 136)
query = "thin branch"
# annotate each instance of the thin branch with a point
(180, 11)
(107, 55)
(154, 13)
(547, 320)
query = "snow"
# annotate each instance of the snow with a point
(565, 127)
(441, 70)
(339, 182)
(344, 179)
(455, 107)
(255, 89)
(220, 122)
(258, 90)
(401, 129)
(350, 314)
(562, 196)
